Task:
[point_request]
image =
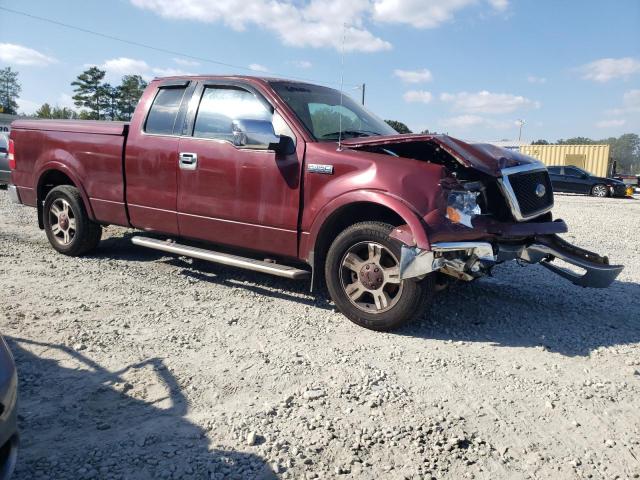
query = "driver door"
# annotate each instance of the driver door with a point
(244, 197)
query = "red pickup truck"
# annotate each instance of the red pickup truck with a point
(299, 181)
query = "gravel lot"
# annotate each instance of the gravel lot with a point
(134, 364)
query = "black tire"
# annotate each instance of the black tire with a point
(411, 297)
(596, 191)
(85, 235)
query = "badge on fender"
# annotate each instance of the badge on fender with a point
(319, 168)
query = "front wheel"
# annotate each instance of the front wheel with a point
(363, 278)
(599, 191)
(68, 227)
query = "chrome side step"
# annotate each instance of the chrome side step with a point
(223, 258)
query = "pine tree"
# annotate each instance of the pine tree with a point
(130, 91)
(90, 93)
(9, 91)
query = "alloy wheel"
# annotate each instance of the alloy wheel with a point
(63, 221)
(370, 277)
(600, 191)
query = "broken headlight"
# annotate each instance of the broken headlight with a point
(462, 206)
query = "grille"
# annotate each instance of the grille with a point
(524, 187)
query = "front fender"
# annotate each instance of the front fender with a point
(414, 226)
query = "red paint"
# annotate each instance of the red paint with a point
(249, 199)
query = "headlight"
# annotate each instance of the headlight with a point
(462, 206)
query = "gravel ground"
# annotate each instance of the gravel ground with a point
(134, 364)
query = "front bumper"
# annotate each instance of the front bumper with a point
(470, 260)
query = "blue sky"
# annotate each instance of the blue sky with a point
(471, 68)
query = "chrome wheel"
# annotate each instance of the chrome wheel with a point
(63, 221)
(370, 276)
(599, 191)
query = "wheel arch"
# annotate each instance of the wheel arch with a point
(354, 208)
(54, 175)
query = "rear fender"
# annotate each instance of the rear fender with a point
(58, 165)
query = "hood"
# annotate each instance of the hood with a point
(485, 157)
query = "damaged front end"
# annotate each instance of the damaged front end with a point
(470, 260)
(495, 207)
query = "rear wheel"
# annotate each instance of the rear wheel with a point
(599, 190)
(363, 277)
(68, 227)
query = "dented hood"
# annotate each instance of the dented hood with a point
(485, 157)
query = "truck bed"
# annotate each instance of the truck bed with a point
(89, 153)
(99, 127)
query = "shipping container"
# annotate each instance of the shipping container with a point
(592, 158)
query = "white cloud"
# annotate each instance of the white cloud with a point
(611, 123)
(314, 23)
(27, 107)
(424, 13)
(21, 55)
(499, 4)
(413, 76)
(607, 69)
(116, 68)
(256, 67)
(534, 79)
(417, 96)
(474, 121)
(318, 23)
(487, 102)
(631, 104)
(125, 66)
(169, 72)
(186, 63)
(301, 63)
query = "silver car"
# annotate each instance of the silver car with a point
(8, 414)
(5, 173)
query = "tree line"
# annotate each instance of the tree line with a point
(95, 98)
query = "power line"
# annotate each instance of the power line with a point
(147, 46)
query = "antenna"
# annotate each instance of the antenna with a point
(344, 36)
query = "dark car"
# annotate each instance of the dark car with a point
(5, 172)
(8, 415)
(572, 179)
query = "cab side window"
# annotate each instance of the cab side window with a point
(554, 170)
(164, 111)
(221, 106)
(572, 172)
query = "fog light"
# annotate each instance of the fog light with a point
(462, 206)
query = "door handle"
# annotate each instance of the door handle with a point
(188, 161)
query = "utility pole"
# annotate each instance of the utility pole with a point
(364, 86)
(521, 123)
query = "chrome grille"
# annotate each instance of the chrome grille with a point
(528, 190)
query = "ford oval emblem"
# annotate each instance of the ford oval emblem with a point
(540, 190)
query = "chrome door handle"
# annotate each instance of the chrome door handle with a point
(188, 161)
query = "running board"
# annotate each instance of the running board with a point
(222, 258)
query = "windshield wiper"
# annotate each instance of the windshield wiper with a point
(355, 133)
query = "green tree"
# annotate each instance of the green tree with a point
(398, 126)
(46, 111)
(577, 141)
(130, 91)
(109, 96)
(625, 150)
(90, 92)
(9, 91)
(540, 142)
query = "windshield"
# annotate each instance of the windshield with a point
(320, 110)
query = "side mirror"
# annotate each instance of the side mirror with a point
(254, 134)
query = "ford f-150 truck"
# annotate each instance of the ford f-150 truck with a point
(299, 181)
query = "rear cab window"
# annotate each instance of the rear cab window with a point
(163, 113)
